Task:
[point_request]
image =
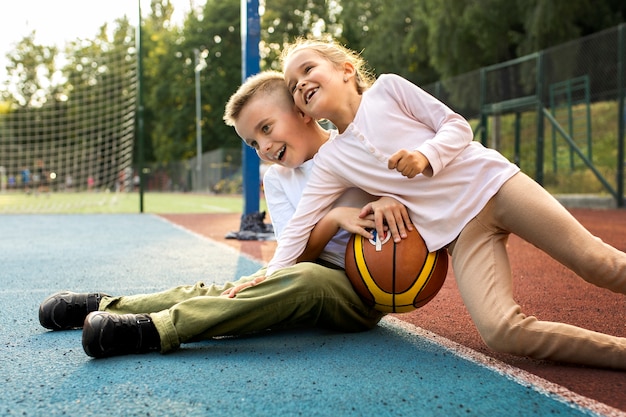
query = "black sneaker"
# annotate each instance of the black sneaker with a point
(67, 310)
(106, 334)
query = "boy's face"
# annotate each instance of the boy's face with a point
(276, 130)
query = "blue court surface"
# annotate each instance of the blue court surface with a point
(393, 370)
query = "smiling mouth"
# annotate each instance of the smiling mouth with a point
(310, 94)
(281, 152)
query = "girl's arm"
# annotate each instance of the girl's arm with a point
(452, 133)
(356, 220)
(322, 190)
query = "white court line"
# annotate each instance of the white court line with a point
(216, 208)
(520, 376)
(208, 239)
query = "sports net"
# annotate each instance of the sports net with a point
(76, 131)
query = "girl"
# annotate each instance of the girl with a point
(396, 140)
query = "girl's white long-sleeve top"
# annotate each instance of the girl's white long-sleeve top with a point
(283, 190)
(395, 114)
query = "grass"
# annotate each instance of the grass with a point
(562, 175)
(104, 202)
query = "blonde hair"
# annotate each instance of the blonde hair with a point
(336, 54)
(266, 83)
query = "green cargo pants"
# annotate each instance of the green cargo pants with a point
(304, 295)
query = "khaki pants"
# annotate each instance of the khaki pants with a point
(483, 274)
(305, 294)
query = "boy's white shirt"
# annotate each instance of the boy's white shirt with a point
(465, 175)
(283, 188)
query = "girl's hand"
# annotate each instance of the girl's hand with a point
(350, 219)
(232, 292)
(408, 163)
(389, 215)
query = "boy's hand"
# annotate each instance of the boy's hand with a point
(389, 215)
(408, 163)
(232, 292)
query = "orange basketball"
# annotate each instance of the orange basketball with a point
(395, 277)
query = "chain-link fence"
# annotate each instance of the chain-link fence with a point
(218, 171)
(558, 114)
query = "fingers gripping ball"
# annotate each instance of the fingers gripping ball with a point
(395, 277)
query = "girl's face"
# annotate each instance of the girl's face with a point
(314, 82)
(276, 130)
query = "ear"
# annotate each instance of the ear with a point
(348, 70)
(305, 118)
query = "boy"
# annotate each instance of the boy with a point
(307, 294)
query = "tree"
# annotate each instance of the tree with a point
(217, 33)
(389, 37)
(165, 129)
(30, 68)
(550, 23)
(286, 20)
(422, 40)
(170, 77)
(462, 36)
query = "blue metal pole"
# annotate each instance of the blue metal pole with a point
(250, 65)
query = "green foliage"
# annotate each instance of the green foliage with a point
(389, 36)
(229, 185)
(561, 176)
(422, 40)
(170, 78)
(285, 20)
(30, 68)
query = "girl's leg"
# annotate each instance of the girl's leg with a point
(526, 209)
(483, 274)
(305, 294)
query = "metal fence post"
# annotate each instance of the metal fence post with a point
(540, 125)
(621, 114)
(484, 118)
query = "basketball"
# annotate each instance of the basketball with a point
(395, 277)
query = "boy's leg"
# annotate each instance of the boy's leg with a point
(305, 294)
(151, 303)
(483, 274)
(68, 310)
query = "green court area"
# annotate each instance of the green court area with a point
(110, 202)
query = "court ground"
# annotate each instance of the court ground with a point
(429, 362)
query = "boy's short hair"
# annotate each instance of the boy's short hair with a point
(266, 82)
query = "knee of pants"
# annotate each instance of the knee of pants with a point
(495, 339)
(507, 334)
(310, 276)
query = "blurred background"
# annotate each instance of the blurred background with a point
(541, 81)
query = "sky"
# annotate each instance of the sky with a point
(57, 22)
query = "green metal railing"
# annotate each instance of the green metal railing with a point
(577, 90)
